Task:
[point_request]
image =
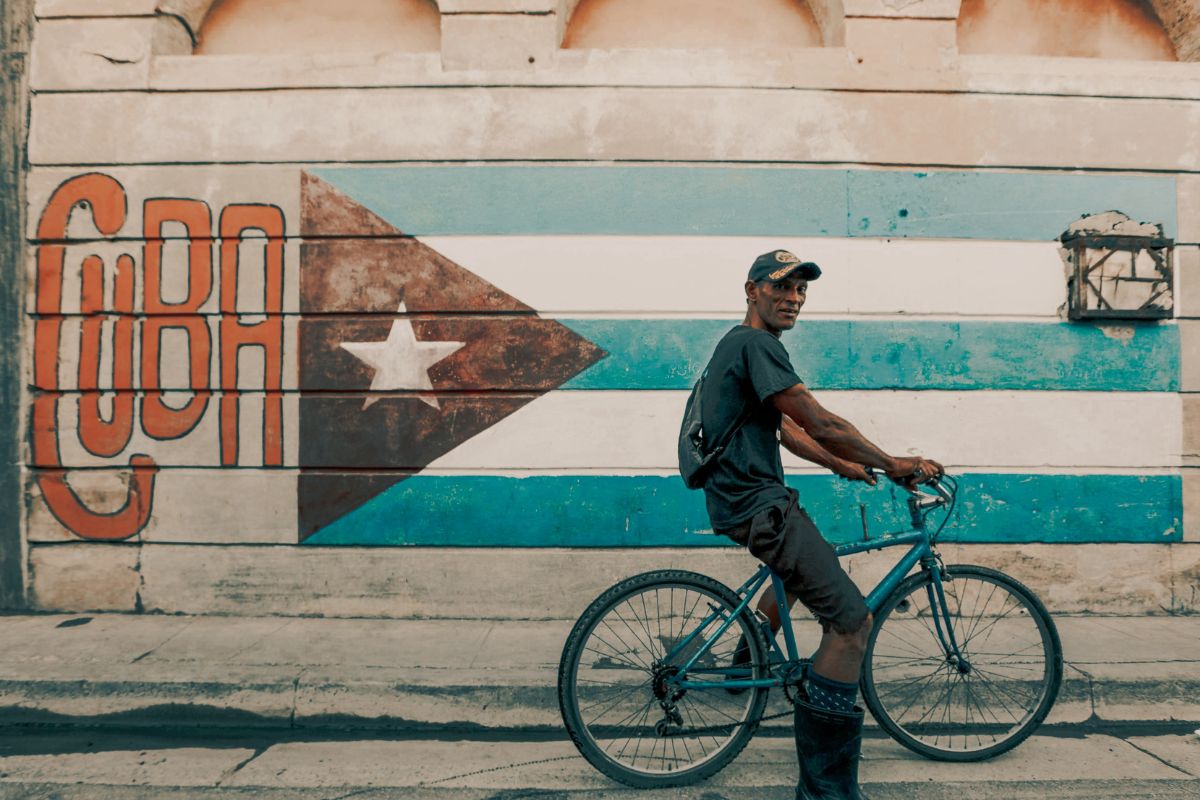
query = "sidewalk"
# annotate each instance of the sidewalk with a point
(1092, 767)
(460, 676)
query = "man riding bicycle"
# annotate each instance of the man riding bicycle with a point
(754, 398)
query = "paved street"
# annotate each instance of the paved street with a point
(175, 764)
(152, 706)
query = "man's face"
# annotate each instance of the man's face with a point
(778, 303)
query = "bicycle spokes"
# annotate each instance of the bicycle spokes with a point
(965, 666)
(626, 691)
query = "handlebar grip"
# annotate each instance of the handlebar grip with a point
(878, 473)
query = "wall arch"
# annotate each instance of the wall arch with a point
(1128, 29)
(1181, 18)
(696, 24)
(308, 26)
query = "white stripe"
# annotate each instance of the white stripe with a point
(176, 272)
(699, 276)
(612, 431)
(703, 275)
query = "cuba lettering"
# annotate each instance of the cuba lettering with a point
(106, 438)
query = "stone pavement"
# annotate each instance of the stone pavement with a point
(155, 766)
(464, 676)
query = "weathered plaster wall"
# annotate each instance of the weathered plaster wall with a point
(1076, 28)
(333, 332)
(754, 24)
(16, 24)
(316, 26)
(1180, 18)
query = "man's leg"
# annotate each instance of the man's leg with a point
(840, 655)
(828, 725)
(770, 609)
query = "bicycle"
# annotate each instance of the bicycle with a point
(963, 662)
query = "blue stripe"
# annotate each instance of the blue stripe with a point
(864, 354)
(989, 205)
(653, 511)
(739, 201)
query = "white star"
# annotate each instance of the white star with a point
(401, 362)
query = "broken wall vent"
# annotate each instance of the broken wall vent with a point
(1118, 269)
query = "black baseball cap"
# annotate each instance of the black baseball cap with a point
(779, 264)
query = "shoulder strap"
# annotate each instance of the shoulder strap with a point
(737, 425)
(742, 419)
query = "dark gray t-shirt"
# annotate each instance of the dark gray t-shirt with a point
(747, 367)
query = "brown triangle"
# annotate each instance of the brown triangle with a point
(325, 211)
(359, 267)
(324, 497)
(372, 276)
(367, 266)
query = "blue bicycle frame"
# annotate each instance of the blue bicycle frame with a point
(922, 552)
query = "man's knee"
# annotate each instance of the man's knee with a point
(864, 630)
(855, 638)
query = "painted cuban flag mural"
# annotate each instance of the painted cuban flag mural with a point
(499, 355)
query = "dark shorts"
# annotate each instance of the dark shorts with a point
(786, 540)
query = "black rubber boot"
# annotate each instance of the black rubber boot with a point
(828, 745)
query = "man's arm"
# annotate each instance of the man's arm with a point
(797, 440)
(842, 439)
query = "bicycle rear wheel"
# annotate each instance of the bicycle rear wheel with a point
(978, 708)
(612, 680)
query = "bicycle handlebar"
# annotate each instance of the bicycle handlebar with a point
(944, 490)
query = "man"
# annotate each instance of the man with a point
(751, 384)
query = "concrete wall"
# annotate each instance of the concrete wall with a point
(610, 24)
(1127, 29)
(345, 333)
(315, 26)
(16, 23)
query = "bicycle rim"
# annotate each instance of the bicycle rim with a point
(968, 711)
(611, 681)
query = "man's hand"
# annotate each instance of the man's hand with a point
(911, 470)
(852, 472)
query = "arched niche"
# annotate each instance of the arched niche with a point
(698, 24)
(1127, 29)
(223, 27)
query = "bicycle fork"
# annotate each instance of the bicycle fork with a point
(942, 622)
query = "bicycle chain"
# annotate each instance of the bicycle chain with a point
(722, 728)
(726, 727)
(788, 686)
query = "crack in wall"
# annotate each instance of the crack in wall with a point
(114, 59)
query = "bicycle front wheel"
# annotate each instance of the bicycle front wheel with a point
(977, 706)
(614, 678)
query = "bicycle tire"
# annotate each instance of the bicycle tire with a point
(1027, 678)
(670, 589)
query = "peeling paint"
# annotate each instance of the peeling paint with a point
(1073, 28)
(1120, 333)
(317, 26)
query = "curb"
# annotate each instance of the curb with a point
(303, 702)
